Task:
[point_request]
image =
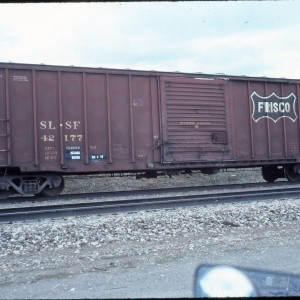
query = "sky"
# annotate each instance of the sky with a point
(254, 38)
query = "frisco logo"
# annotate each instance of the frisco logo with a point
(273, 107)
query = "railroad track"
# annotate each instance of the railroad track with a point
(131, 193)
(148, 203)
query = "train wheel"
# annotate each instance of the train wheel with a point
(269, 173)
(54, 191)
(290, 173)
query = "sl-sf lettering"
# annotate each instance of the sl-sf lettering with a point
(72, 124)
(67, 125)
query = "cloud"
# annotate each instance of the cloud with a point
(252, 38)
(270, 52)
(51, 32)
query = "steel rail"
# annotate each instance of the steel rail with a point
(104, 207)
(131, 193)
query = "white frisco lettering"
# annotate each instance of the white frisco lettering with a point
(260, 106)
(274, 107)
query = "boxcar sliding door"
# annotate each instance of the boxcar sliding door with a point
(194, 120)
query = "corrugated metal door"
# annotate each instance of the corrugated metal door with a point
(193, 119)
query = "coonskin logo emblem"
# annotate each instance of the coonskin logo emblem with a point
(273, 107)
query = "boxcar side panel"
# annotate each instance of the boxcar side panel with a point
(120, 119)
(260, 128)
(141, 104)
(4, 132)
(240, 117)
(266, 117)
(48, 119)
(22, 117)
(97, 120)
(73, 122)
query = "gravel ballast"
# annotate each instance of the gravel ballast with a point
(78, 233)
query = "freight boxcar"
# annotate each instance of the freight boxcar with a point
(57, 120)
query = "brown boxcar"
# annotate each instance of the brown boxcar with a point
(57, 120)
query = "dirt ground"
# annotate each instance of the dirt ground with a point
(100, 183)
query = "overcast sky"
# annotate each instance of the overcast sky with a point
(260, 38)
